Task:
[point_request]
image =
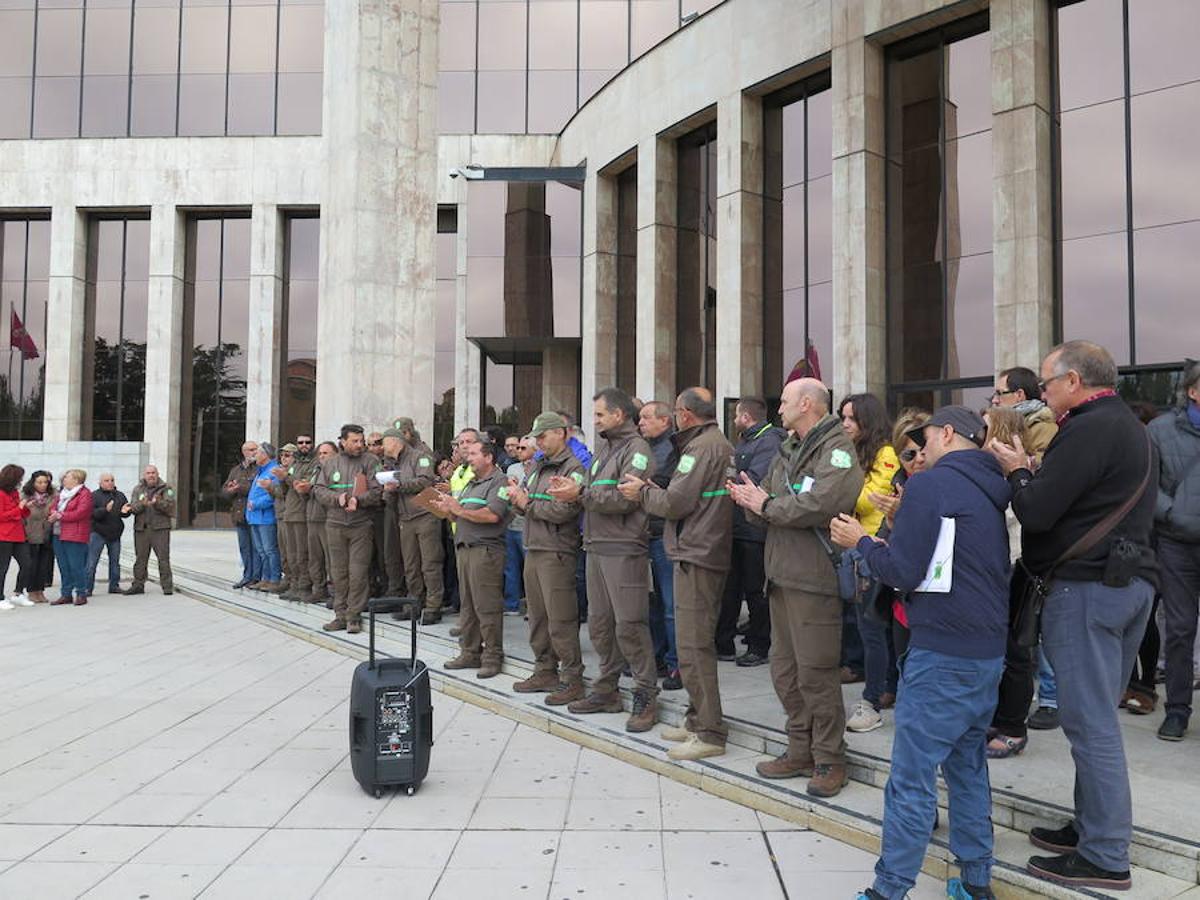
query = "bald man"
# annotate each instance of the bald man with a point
(815, 477)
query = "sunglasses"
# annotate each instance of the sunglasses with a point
(908, 455)
(302, 443)
(376, 443)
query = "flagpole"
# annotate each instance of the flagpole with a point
(8, 384)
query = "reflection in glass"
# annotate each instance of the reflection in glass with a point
(1090, 43)
(1095, 293)
(456, 36)
(552, 35)
(696, 301)
(652, 21)
(16, 42)
(501, 103)
(456, 101)
(504, 25)
(1163, 37)
(16, 95)
(299, 110)
(603, 34)
(445, 313)
(1093, 184)
(251, 104)
(626, 323)
(551, 101)
(301, 302)
(1165, 131)
(105, 106)
(56, 107)
(24, 291)
(153, 112)
(1167, 272)
(59, 41)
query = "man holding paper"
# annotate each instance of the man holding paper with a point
(949, 551)
(420, 530)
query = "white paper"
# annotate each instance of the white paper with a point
(385, 477)
(939, 576)
(806, 484)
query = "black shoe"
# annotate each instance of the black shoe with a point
(751, 658)
(662, 669)
(1173, 728)
(133, 589)
(1056, 840)
(1072, 869)
(726, 654)
(168, 592)
(1045, 719)
(238, 585)
(673, 682)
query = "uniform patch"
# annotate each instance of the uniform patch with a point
(595, 466)
(337, 476)
(686, 462)
(291, 470)
(840, 459)
(170, 492)
(423, 462)
(577, 478)
(639, 461)
(503, 492)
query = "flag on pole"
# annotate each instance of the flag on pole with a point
(19, 338)
(809, 367)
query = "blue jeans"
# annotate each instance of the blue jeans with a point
(96, 545)
(251, 565)
(662, 605)
(1047, 687)
(72, 562)
(514, 565)
(1091, 634)
(943, 711)
(266, 548)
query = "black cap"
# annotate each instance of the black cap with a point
(963, 420)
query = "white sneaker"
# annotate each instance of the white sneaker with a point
(864, 718)
(21, 599)
(6, 604)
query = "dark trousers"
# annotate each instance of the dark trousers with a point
(581, 593)
(38, 568)
(1016, 690)
(251, 567)
(514, 567)
(747, 578)
(879, 665)
(853, 652)
(1180, 568)
(450, 569)
(96, 546)
(158, 540)
(1142, 677)
(9, 549)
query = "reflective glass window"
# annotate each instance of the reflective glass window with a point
(16, 99)
(456, 102)
(456, 36)
(696, 264)
(445, 315)
(626, 323)
(303, 241)
(552, 34)
(551, 100)
(501, 103)
(652, 20)
(505, 25)
(252, 66)
(603, 34)
(24, 296)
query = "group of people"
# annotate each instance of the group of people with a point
(42, 523)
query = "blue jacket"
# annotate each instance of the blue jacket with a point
(754, 454)
(260, 503)
(972, 619)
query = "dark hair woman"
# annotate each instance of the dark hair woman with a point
(13, 512)
(39, 497)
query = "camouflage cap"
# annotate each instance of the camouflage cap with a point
(393, 433)
(402, 423)
(289, 448)
(546, 422)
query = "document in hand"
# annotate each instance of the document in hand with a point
(939, 575)
(385, 477)
(360, 485)
(426, 500)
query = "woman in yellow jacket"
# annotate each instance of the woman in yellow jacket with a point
(866, 422)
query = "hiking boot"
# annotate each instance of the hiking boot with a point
(957, 889)
(694, 749)
(335, 625)
(1057, 840)
(315, 597)
(462, 661)
(828, 780)
(864, 718)
(1072, 869)
(644, 714)
(133, 589)
(751, 658)
(785, 767)
(674, 733)
(537, 683)
(81, 600)
(1044, 719)
(455, 631)
(566, 693)
(489, 669)
(431, 616)
(1173, 728)
(270, 587)
(596, 703)
(673, 682)
(354, 626)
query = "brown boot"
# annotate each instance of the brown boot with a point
(431, 616)
(644, 714)
(335, 625)
(354, 626)
(489, 669)
(566, 693)
(455, 631)
(785, 767)
(537, 683)
(597, 703)
(828, 780)
(462, 662)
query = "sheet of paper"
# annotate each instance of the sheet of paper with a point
(806, 484)
(940, 575)
(385, 477)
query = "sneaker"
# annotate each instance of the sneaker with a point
(597, 703)
(6, 604)
(957, 889)
(864, 718)
(21, 599)
(566, 693)
(674, 733)
(694, 749)
(850, 676)
(751, 658)
(1057, 840)
(537, 683)
(644, 713)
(828, 780)
(1173, 728)
(1073, 870)
(785, 767)
(673, 682)
(1044, 719)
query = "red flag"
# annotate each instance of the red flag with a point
(19, 338)
(809, 367)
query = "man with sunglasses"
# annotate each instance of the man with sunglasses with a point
(1017, 388)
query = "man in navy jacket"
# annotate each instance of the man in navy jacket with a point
(949, 551)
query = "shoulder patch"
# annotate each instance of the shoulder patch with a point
(170, 492)
(840, 459)
(595, 466)
(639, 461)
(423, 462)
(291, 470)
(686, 462)
(503, 492)
(577, 478)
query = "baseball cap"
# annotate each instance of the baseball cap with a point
(393, 433)
(545, 422)
(288, 448)
(963, 420)
(401, 423)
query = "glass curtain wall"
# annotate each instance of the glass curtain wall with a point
(696, 235)
(939, 208)
(300, 287)
(444, 330)
(797, 234)
(117, 295)
(626, 323)
(116, 68)
(216, 328)
(24, 294)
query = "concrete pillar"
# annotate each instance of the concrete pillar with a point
(378, 214)
(65, 325)
(739, 247)
(859, 276)
(164, 340)
(560, 379)
(657, 215)
(1022, 196)
(265, 348)
(598, 356)
(467, 355)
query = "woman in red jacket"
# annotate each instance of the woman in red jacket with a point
(13, 511)
(72, 523)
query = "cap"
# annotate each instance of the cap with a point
(289, 448)
(545, 422)
(401, 423)
(963, 420)
(393, 433)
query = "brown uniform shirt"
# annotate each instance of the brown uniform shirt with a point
(336, 477)
(154, 516)
(414, 473)
(491, 493)
(613, 525)
(243, 475)
(551, 524)
(295, 504)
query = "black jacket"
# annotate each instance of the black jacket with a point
(665, 457)
(753, 455)
(1097, 459)
(108, 524)
(1178, 443)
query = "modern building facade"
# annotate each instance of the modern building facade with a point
(232, 218)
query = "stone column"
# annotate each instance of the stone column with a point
(467, 355)
(265, 348)
(65, 325)
(164, 341)
(859, 277)
(1022, 196)
(657, 222)
(378, 214)
(739, 247)
(560, 379)
(598, 356)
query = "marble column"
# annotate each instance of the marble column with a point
(657, 278)
(598, 355)
(378, 214)
(65, 325)
(165, 334)
(265, 348)
(560, 379)
(467, 356)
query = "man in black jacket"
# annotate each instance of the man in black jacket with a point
(1098, 601)
(107, 529)
(655, 424)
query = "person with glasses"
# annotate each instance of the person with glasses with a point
(294, 518)
(236, 489)
(1018, 388)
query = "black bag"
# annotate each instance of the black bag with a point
(391, 712)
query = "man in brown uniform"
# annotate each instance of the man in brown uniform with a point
(318, 546)
(616, 537)
(294, 516)
(152, 503)
(420, 530)
(236, 489)
(481, 512)
(551, 554)
(389, 541)
(348, 525)
(698, 538)
(814, 478)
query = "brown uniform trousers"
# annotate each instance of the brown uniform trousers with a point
(318, 554)
(393, 556)
(423, 554)
(281, 541)
(158, 540)
(481, 594)
(553, 614)
(698, 594)
(806, 641)
(618, 590)
(296, 538)
(350, 563)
